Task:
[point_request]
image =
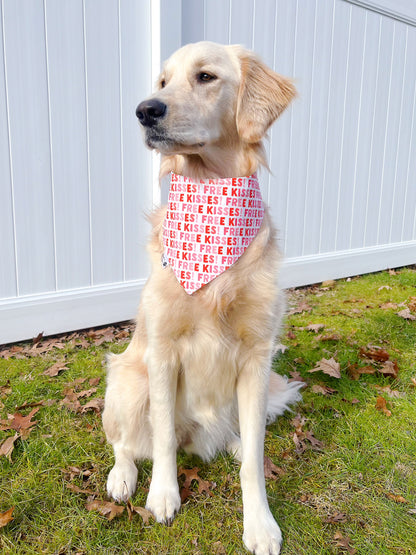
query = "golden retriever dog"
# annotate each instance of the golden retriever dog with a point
(197, 373)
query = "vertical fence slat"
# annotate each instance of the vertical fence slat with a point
(68, 138)
(25, 67)
(8, 278)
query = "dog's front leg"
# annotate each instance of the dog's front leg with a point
(262, 535)
(163, 499)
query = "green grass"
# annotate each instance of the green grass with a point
(365, 470)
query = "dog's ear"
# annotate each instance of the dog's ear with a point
(262, 97)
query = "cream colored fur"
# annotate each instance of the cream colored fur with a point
(197, 373)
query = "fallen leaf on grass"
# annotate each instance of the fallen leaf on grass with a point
(330, 337)
(296, 377)
(20, 423)
(144, 513)
(86, 393)
(406, 314)
(335, 518)
(393, 393)
(388, 306)
(301, 307)
(204, 486)
(354, 371)
(291, 334)
(106, 508)
(271, 471)
(56, 369)
(396, 498)
(301, 436)
(76, 489)
(6, 448)
(381, 404)
(218, 548)
(374, 353)
(5, 389)
(315, 327)
(328, 283)
(328, 366)
(323, 389)
(70, 401)
(97, 405)
(6, 517)
(389, 368)
(344, 542)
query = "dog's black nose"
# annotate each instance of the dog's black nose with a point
(150, 111)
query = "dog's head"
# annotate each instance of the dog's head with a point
(211, 94)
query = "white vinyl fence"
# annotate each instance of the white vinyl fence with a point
(76, 181)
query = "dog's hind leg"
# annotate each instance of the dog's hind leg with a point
(126, 421)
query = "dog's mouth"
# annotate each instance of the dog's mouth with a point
(166, 144)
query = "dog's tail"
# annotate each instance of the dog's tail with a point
(282, 393)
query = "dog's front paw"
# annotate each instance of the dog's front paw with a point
(122, 480)
(164, 502)
(262, 535)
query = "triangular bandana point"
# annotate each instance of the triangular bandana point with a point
(208, 226)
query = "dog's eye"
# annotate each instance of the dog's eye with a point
(162, 84)
(205, 77)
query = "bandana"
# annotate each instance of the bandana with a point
(208, 226)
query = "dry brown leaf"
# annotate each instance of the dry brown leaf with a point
(97, 405)
(94, 381)
(354, 371)
(344, 542)
(56, 369)
(323, 389)
(300, 436)
(412, 304)
(381, 404)
(389, 368)
(76, 489)
(328, 366)
(204, 486)
(301, 307)
(291, 334)
(388, 306)
(218, 548)
(396, 498)
(5, 389)
(86, 393)
(329, 337)
(6, 517)
(393, 393)
(296, 377)
(20, 423)
(6, 448)
(144, 513)
(106, 508)
(271, 471)
(374, 353)
(335, 518)
(406, 314)
(70, 401)
(315, 327)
